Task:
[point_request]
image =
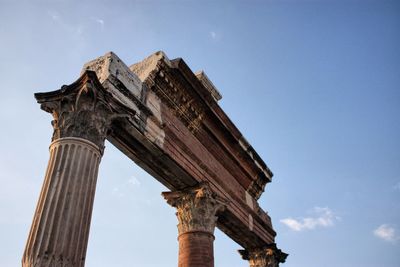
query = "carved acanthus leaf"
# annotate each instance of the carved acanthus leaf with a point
(83, 109)
(197, 208)
(268, 256)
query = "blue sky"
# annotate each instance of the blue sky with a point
(313, 85)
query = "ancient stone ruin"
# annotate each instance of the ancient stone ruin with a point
(167, 120)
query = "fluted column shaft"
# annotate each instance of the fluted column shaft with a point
(60, 228)
(83, 113)
(197, 209)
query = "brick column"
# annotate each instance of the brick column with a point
(267, 256)
(60, 228)
(197, 208)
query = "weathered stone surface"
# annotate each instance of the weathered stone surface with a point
(117, 78)
(150, 65)
(60, 227)
(206, 82)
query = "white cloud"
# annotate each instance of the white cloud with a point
(386, 232)
(323, 217)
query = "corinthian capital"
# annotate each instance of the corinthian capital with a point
(268, 256)
(83, 109)
(197, 208)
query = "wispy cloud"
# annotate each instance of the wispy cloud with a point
(72, 28)
(117, 192)
(323, 217)
(54, 15)
(213, 35)
(386, 233)
(100, 21)
(134, 181)
(122, 189)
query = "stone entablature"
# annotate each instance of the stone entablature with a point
(195, 103)
(166, 119)
(179, 119)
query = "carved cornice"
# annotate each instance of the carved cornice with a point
(158, 74)
(192, 99)
(83, 109)
(267, 256)
(197, 208)
(178, 99)
(207, 83)
(257, 187)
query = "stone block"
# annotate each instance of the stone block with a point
(117, 78)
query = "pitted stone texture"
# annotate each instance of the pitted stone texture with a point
(144, 68)
(197, 208)
(117, 78)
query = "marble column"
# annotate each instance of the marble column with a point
(60, 228)
(197, 209)
(267, 256)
